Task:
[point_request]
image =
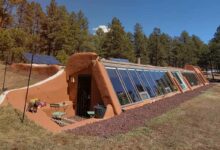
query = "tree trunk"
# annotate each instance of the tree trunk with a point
(49, 48)
(213, 77)
(139, 60)
(12, 57)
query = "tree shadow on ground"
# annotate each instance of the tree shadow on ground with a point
(214, 80)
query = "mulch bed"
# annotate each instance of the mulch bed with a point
(137, 117)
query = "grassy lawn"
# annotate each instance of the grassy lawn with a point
(17, 79)
(193, 125)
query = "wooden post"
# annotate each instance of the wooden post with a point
(4, 77)
(27, 91)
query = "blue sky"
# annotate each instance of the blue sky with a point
(199, 17)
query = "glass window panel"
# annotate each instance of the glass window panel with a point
(171, 84)
(143, 93)
(191, 78)
(179, 80)
(129, 86)
(170, 87)
(120, 91)
(164, 81)
(187, 77)
(154, 81)
(177, 77)
(148, 86)
(136, 80)
(195, 79)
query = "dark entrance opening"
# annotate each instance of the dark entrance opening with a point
(83, 95)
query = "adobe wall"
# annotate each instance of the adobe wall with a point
(105, 87)
(79, 62)
(102, 90)
(51, 90)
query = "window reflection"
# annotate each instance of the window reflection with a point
(143, 93)
(172, 86)
(168, 85)
(155, 81)
(147, 83)
(122, 97)
(179, 80)
(191, 78)
(132, 85)
(129, 86)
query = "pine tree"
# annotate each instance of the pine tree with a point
(21, 42)
(12, 43)
(140, 43)
(187, 49)
(214, 53)
(49, 28)
(199, 48)
(30, 17)
(175, 54)
(117, 43)
(78, 35)
(6, 9)
(84, 41)
(6, 43)
(55, 28)
(157, 52)
(99, 39)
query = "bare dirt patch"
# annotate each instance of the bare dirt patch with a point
(134, 118)
(18, 78)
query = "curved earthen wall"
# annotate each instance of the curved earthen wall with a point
(51, 90)
(48, 70)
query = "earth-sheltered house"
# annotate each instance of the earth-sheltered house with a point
(116, 86)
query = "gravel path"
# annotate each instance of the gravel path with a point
(136, 117)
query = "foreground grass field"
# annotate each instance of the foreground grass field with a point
(193, 125)
(17, 79)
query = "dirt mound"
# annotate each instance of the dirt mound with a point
(45, 70)
(136, 117)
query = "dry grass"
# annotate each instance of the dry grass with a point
(17, 79)
(193, 125)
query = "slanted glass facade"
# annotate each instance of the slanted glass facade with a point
(119, 89)
(140, 87)
(130, 87)
(191, 78)
(135, 85)
(148, 84)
